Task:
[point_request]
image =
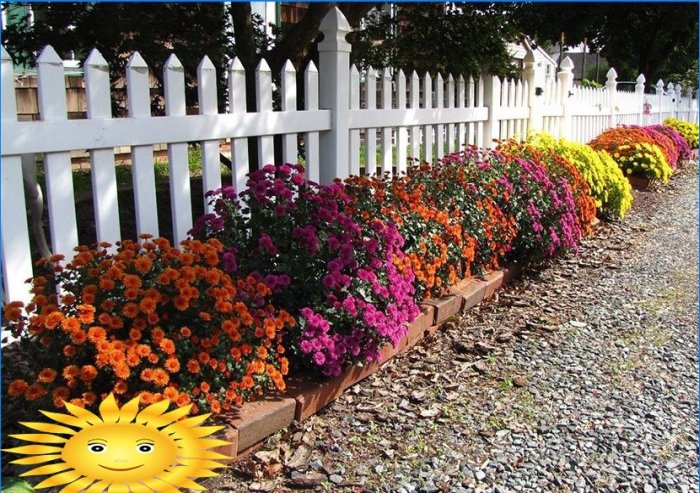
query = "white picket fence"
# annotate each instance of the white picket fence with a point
(394, 119)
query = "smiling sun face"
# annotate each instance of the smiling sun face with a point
(121, 450)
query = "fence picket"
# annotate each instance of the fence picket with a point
(479, 134)
(415, 130)
(238, 105)
(311, 139)
(428, 129)
(439, 128)
(518, 129)
(511, 103)
(354, 133)
(142, 171)
(178, 162)
(103, 175)
(402, 132)
(208, 105)
(450, 104)
(472, 128)
(263, 101)
(57, 165)
(289, 103)
(387, 151)
(461, 127)
(16, 253)
(371, 133)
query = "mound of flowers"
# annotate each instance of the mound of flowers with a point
(639, 151)
(347, 281)
(449, 225)
(679, 142)
(610, 190)
(150, 319)
(689, 131)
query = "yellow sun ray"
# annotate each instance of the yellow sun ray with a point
(39, 438)
(140, 488)
(169, 418)
(118, 488)
(48, 428)
(97, 487)
(47, 469)
(152, 411)
(77, 486)
(203, 463)
(160, 486)
(66, 419)
(33, 450)
(181, 477)
(122, 450)
(208, 454)
(83, 414)
(37, 459)
(192, 421)
(58, 479)
(179, 471)
(128, 411)
(211, 443)
(109, 411)
(203, 431)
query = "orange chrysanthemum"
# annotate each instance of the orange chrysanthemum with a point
(47, 375)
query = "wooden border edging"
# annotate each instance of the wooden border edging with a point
(307, 394)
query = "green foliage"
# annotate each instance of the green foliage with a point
(437, 37)
(591, 83)
(16, 485)
(155, 30)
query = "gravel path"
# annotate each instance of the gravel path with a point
(579, 377)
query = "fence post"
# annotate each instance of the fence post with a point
(673, 100)
(611, 88)
(565, 77)
(334, 95)
(535, 121)
(492, 101)
(16, 256)
(660, 99)
(639, 93)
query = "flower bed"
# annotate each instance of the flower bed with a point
(327, 276)
(152, 320)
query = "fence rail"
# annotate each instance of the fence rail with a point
(354, 121)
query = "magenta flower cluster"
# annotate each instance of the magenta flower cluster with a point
(344, 281)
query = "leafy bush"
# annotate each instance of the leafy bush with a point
(688, 130)
(608, 186)
(347, 282)
(149, 319)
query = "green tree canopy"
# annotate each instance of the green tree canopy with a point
(658, 40)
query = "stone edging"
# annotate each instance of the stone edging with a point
(306, 395)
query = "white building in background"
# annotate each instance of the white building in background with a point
(546, 66)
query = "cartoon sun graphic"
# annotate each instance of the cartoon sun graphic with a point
(122, 450)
